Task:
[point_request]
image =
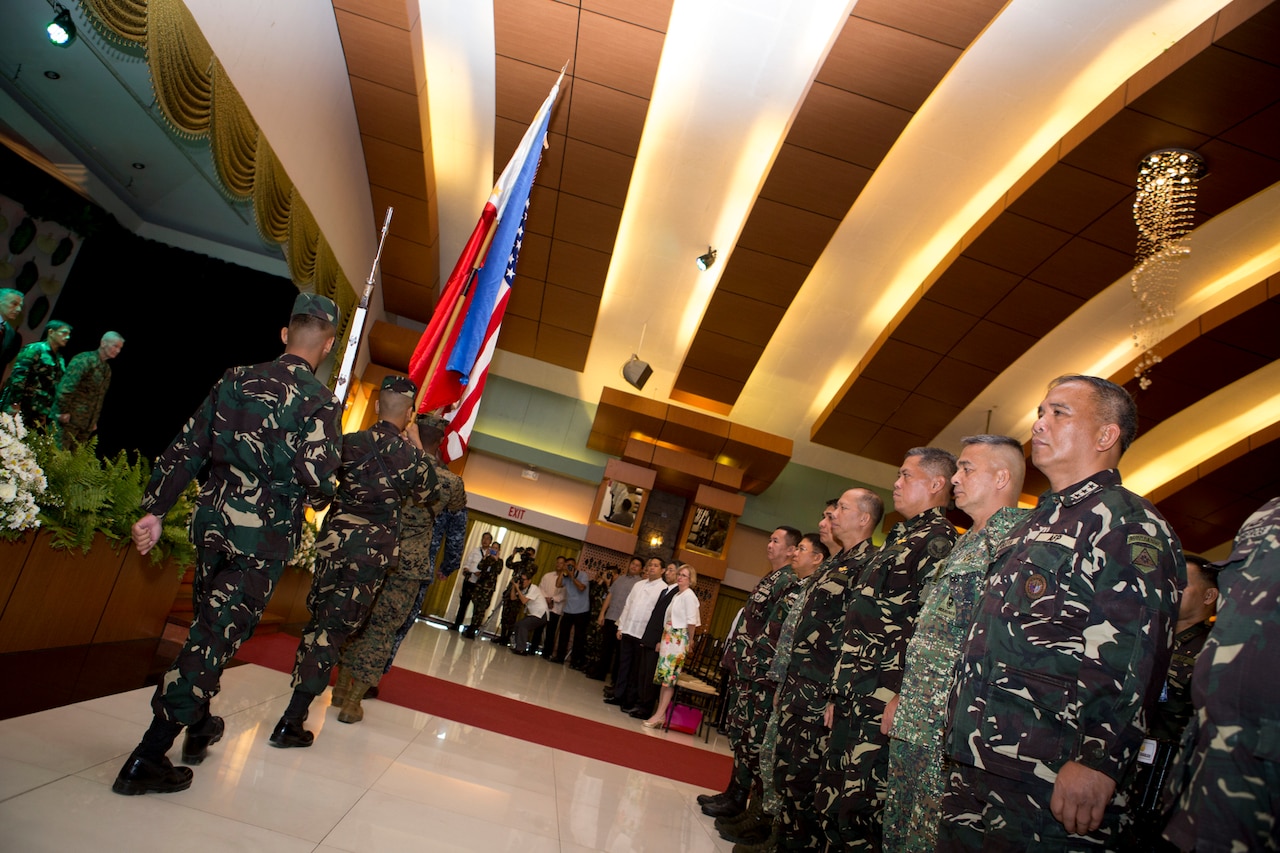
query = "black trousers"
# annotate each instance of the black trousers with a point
(464, 599)
(624, 685)
(549, 636)
(646, 690)
(577, 624)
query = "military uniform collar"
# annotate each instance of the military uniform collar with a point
(295, 360)
(1073, 494)
(922, 519)
(1194, 631)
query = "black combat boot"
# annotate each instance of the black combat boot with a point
(729, 806)
(200, 737)
(704, 799)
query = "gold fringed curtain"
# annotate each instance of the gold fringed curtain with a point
(181, 63)
(234, 138)
(198, 100)
(272, 196)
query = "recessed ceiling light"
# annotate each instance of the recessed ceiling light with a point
(139, 166)
(53, 75)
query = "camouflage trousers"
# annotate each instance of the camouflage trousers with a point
(801, 740)
(752, 710)
(411, 615)
(1233, 793)
(341, 596)
(851, 785)
(229, 594)
(365, 655)
(913, 805)
(982, 811)
(477, 595)
(451, 528)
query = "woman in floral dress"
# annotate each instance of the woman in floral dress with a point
(682, 619)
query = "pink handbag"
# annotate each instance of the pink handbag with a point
(684, 719)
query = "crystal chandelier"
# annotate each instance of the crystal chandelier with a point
(1163, 211)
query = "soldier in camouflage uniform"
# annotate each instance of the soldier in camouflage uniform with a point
(382, 467)
(1069, 648)
(450, 528)
(84, 387)
(367, 656)
(987, 484)
(1231, 797)
(751, 698)
(33, 384)
(882, 609)
(270, 435)
(807, 649)
(1148, 806)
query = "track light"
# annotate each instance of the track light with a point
(705, 261)
(61, 30)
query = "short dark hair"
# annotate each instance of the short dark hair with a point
(815, 542)
(792, 534)
(53, 326)
(310, 322)
(1115, 405)
(1207, 570)
(935, 461)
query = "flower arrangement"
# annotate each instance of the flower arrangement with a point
(305, 556)
(21, 479)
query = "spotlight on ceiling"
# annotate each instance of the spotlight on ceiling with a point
(705, 261)
(61, 30)
(637, 372)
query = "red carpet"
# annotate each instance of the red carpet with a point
(522, 720)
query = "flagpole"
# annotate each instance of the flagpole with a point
(342, 385)
(455, 313)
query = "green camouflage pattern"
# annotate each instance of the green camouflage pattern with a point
(1231, 785)
(808, 643)
(884, 602)
(751, 651)
(33, 384)
(80, 395)
(916, 781)
(270, 434)
(1070, 644)
(365, 655)
(358, 542)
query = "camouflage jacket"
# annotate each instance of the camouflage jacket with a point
(380, 471)
(810, 637)
(33, 383)
(1235, 682)
(1175, 710)
(946, 613)
(81, 392)
(417, 524)
(882, 611)
(764, 644)
(1071, 640)
(754, 615)
(270, 435)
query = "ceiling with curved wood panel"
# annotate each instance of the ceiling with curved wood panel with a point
(922, 211)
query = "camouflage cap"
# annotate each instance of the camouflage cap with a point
(432, 423)
(315, 305)
(398, 385)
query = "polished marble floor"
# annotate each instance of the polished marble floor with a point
(401, 780)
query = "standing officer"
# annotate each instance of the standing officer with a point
(84, 387)
(1070, 643)
(270, 435)
(368, 654)
(882, 611)
(10, 339)
(808, 646)
(382, 467)
(987, 484)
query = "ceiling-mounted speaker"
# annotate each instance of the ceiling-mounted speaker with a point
(637, 372)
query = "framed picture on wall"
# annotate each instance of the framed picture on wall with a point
(709, 530)
(621, 504)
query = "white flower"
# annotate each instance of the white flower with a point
(20, 477)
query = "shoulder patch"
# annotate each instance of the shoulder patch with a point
(938, 547)
(1144, 551)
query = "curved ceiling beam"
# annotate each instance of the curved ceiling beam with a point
(1033, 76)
(1199, 433)
(727, 89)
(455, 46)
(1229, 254)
